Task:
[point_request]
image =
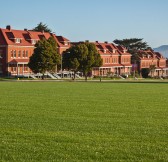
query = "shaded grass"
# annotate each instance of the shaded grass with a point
(83, 121)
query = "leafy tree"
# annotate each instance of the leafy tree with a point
(90, 60)
(55, 54)
(42, 27)
(133, 45)
(82, 57)
(70, 59)
(145, 72)
(45, 56)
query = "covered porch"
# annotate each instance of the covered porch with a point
(112, 70)
(18, 67)
(160, 72)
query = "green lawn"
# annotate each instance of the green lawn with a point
(68, 121)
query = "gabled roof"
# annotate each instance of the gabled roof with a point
(9, 35)
(149, 54)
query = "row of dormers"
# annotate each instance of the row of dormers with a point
(20, 36)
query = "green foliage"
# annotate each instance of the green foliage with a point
(133, 45)
(82, 57)
(42, 27)
(115, 122)
(45, 56)
(145, 72)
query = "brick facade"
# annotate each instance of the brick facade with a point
(116, 60)
(148, 58)
(16, 46)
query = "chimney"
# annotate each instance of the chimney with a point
(106, 42)
(8, 27)
(97, 41)
(25, 29)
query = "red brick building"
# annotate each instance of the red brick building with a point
(148, 58)
(116, 60)
(16, 46)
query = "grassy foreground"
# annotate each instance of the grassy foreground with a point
(69, 121)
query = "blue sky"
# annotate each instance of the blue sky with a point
(102, 20)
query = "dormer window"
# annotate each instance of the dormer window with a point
(65, 43)
(124, 50)
(33, 41)
(17, 40)
(104, 50)
(114, 51)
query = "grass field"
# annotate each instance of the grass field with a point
(54, 121)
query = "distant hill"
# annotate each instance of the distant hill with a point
(162, 49)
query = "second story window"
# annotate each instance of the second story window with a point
(19, 54)
(14, 53)
(11, 53)
(23, 53)
(26, 53)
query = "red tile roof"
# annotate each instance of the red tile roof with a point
(27, 35)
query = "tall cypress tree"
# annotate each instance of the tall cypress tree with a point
(133, 45)
(42, 27)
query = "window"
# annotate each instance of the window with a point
(14, 53)
(13, 69)
(19, 54)
(23, 53)
(26, 53)
(33, 41)
(25, 68)
(11, 53)
(65, 43)
(18, 40)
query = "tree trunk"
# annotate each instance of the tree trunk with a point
(74, 77)
(85, 77)
(43, 77)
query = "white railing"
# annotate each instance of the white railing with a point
(51, 76)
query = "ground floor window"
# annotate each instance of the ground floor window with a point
(13, 69)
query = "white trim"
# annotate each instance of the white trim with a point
(20, 46)
(112, 67)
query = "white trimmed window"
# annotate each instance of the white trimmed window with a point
(19, 54)
(17, 40)
(23, 53)
(34, 41)
(11, 53)
(14, 53)
(26, 53)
